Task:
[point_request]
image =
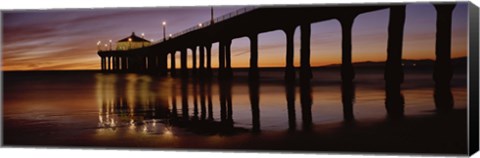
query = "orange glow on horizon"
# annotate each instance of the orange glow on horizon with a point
(43, 48)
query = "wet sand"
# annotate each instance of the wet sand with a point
(143, 112)
(436, 134)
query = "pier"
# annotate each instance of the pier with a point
(251, 21)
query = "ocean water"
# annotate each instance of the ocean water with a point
(93, 109)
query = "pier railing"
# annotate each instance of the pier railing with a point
(216, 20)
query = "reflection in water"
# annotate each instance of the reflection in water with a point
(290, 94)
(348, 98)
(225, 88)
(203, 109)
(137, 106)
(195, 101)
(174, 100)
(223, 100)
(184, 91)
(254, 91)
(209, 98)
(443, 98)
(133, 101)
(129, 106)
(136, 103)
(147, 111)
(394, 101)
(306, 101)
(229, 101)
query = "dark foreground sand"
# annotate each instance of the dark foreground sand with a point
(430, 134)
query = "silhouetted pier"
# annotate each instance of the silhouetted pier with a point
(250, 22)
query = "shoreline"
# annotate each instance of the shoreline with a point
(414, 134)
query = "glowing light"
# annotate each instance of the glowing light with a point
(169, 35)
(132, 124)
(112, 124)
(145, 129)
(110, 41)
(164, 23)
(100, 119)
(143, 34)
(168, 133)
(129, 39)
(200, 25)
(99, 42)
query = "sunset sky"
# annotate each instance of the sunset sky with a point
(66, 39)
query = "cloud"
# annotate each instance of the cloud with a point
(65, 39)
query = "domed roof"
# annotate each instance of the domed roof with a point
(134, 38)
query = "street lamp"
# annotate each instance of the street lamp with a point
(164, 24)
(110, 41)
(169, 35)
(199, 24)
(98, 44)
(143, 35)
(129, 43)
(106, 46)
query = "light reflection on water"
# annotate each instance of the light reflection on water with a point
(128, 101)
(134, 105)
(143, 102)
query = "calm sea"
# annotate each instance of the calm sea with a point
(92, 109)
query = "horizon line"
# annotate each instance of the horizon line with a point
(267, 67)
